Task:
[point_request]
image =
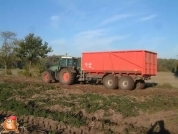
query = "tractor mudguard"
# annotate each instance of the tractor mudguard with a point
(72, 70)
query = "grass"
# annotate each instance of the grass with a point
(159, 103)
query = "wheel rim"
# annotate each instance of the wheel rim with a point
(66, 77)
(110, 82)
(125, 83)
(46, 77)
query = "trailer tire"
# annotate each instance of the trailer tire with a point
(46, 77)
(140, 84)
(110, 82)
(66, 77)
(126, 83)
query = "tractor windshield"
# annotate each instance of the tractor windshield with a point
(68, 62)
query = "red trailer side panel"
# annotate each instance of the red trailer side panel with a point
(137, 62)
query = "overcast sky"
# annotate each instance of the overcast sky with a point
(76, 26)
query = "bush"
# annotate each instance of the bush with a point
(35, 72)
(24, 73)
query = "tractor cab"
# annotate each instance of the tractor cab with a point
(68, 61)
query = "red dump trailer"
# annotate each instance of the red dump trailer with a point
(119, 69)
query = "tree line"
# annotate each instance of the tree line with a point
(168, 65)
(28, 51)
(32, 52)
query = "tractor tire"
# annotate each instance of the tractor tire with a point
(126, 83)
(110, 82)
(66, 77)
(46, 77)
(140, 84)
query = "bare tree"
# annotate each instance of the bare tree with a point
(7, 48)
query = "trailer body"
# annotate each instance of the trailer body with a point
(136, 62)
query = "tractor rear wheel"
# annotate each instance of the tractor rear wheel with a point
(66, 77)
(140, 84)
(46, 77)
(126, 83)
(110, 82)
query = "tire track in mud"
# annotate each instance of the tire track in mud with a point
(31, 124)
(97, 123)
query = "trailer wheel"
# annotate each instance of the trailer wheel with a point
(140, 84)
(110, 82)
(46, 77)
(66, 77)
(126, 83)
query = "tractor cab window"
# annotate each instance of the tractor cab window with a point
(63, 62)
(68, 62)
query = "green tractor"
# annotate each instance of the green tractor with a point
(66, 72)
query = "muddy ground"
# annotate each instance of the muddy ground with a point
(158, 122)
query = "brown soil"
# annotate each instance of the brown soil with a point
(144, 123)
(80, 88)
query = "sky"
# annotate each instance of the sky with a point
(76, 26)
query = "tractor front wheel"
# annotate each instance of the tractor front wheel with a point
(46, 77)
(66, 77)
